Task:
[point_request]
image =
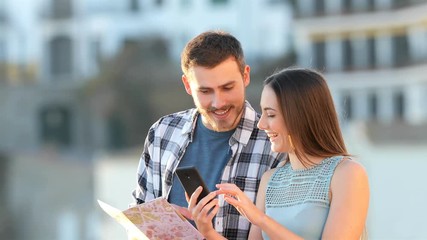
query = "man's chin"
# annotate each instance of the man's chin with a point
(224, 127)
(219, 125)
(214, 126)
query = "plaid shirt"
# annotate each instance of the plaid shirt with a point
(165, 145)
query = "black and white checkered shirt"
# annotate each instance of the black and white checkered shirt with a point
(165, 145)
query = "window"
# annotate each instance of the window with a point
(61, 56)
(116, 132)
(95, 48)
(185, 3)
(401, 51)
(346, 6)
(55, 124)
(319, 55)
(399, 3)
(61, 8)
(373, 106)
(3, 69)
(347, 55)
(134, 5)
(2, 50)
(159, 3)
(319, 6)
(3, 17)
(372, 57)
(218, 2)
(275, 2)
(399, 105)
(348, 107)
(370, 5)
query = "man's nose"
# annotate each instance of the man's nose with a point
(218, 100)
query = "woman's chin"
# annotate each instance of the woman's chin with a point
(276, 148)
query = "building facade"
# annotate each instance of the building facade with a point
(49, 51)
(63, 40)
(374, 53)
(52, 47)
(374, 56)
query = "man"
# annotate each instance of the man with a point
(219, 136)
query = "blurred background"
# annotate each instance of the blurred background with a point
(81, 81)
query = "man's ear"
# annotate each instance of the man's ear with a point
(247, 75)
(186, 84)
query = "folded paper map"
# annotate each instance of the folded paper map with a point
(153, 220)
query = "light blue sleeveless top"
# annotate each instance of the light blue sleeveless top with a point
(299, 199)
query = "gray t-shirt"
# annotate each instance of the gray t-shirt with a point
(209, 152)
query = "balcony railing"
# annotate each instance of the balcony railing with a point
(321, 10)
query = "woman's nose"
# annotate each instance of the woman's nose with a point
(261, 124)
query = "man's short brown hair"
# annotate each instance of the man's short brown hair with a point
(209, 49)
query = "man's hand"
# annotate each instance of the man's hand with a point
(183, 211)
(203, 212)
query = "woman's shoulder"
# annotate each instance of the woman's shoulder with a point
(267, 175)
(348, 172)
(350, 165)
(270, 172)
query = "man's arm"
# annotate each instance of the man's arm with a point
(144, 190)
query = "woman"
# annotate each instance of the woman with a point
(319, 192)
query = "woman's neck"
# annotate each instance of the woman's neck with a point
(296, 163)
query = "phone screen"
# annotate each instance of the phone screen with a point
(190, 180)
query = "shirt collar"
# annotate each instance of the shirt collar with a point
(243, 131)
(190, 124)
(246, 125)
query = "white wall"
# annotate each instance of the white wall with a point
(398, 195)
(114, 179)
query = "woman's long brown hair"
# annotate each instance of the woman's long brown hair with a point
(309, 113)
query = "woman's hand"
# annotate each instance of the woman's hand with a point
(234, 196)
